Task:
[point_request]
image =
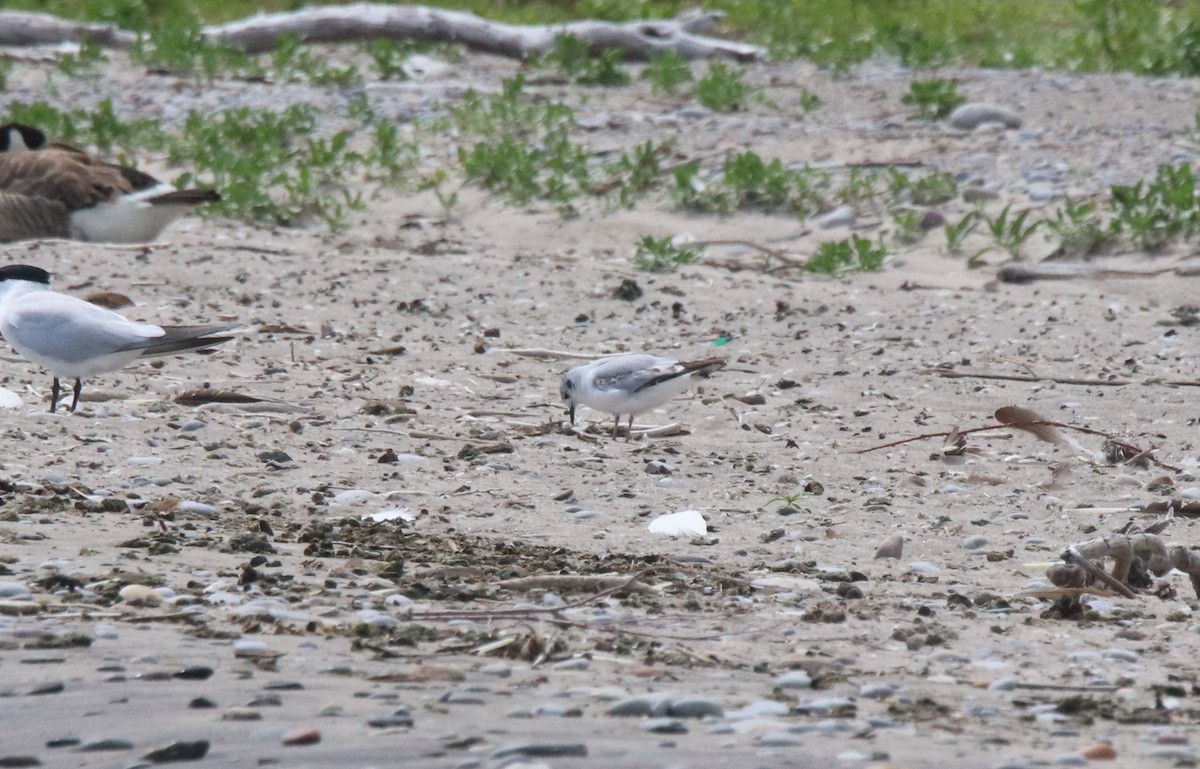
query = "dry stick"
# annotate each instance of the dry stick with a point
(772, 252)
(542, 352)
(1072, 555)
(948, 374)
(1139, 453)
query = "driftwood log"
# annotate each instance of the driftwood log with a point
(636, 40)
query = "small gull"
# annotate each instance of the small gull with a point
(631, 384)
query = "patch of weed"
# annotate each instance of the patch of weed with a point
(269, 166)
(1077, 226)
(958, 232)
(854, 254)
(667, 72)
(723, 88)
(1153, 213)
(932, 99)
(293, 61)
(662, 255)
(1010, 231)
(181, 48)
(572, 58)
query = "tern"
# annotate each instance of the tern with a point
(51, 190)
(75, 339)
(631, 384)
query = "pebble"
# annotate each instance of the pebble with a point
(398, 717)
(1003, 685)
(51, 687)
(1121, 655)
(197, 508)
(930, 219)
(795, 679)
(974, 543)
(842, 216)
(663, 726)
(105, 743)
(1039, 192)
(190, 750)
(695, 708)
(301, 736)
(6, 761)
(1178, 752)
(201, 703)
(760, 709)
(640, 705)
(140, 594)
(876, 691)
(892, 547)
(63, 742)
(778, 739)
(541, 750)
(922, 567)
(972, 115)
(283, 686)
(241, 714)
(1070, 759)
(194, 673)
(979, 195)
(1099, 751)
(13, 590)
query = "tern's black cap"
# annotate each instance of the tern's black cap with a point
(32, 137)
(24, 272)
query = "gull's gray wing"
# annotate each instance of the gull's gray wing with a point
(629, 372)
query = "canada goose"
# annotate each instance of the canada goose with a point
(73, 338)
(50, 190)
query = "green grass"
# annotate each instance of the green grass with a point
(1146, 36)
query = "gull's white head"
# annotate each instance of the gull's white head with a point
(569, 390)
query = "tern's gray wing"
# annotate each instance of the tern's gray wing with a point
(183, 338)
(628, 372)
(69, 329)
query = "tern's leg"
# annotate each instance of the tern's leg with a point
(54, 395)
(616, 425)
(78, 388)
(629, 430)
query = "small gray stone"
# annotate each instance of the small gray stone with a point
(1123, 655)
(695, 707)
(1003, 685)
(974, 543)
(876, 691)
(105, 743)
(640, 705)
(842, 216)
(975, 114)
(13, 590)
(664, 726)
(7, 761)
(540, 750)
(1071, 759)
(778, 739)
(1040, 192)
(795, 679)
(930, 219)
(892, 547)
(979, 194)
(184, 750)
